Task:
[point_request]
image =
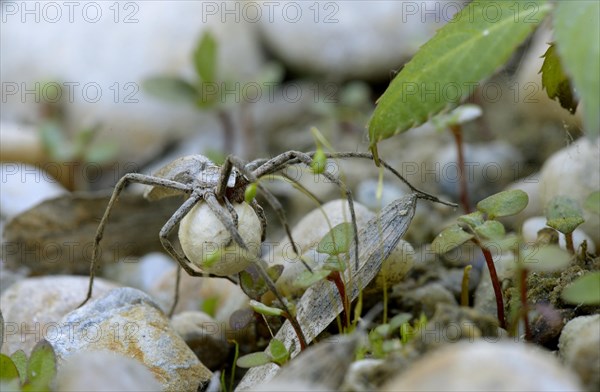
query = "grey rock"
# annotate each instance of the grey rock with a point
(204, 335)
(129, 322)
(33, 308)
(346, 40)
(425, 299)
(489, 168)
(482, 366)
(104, 371)
(24, 186)
(579, 345)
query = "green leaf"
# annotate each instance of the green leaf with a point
(102, 153)
(250, 193)
(577, 33)
(253, 360)
(592, 202)
(319, 162)
(504, 244)
(556, 82)
(205, 58)
(252, 282)
(209, 305)
(307, 278)
(399, 319)
(171, 89)
(337, 240)
(55, 142)
(545, 258)
(505, 203)
(468, 49)
(449, 239)
(334, 263)
(41, 368)
(8, 370)
(279, 354)
(585, 290)
(19, 358)
(564, 214)
(491, 230)
(261, 308)
(472, 220)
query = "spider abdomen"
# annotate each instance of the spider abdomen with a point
(208, 244)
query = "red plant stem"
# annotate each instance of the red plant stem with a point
(524, 306)
(570, 245)
(297, 329)
(464, 192)
(495, 283)
(336, 278)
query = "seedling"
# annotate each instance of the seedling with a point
(18, 373)
(276, 353)
(564, 215)
(482, 229)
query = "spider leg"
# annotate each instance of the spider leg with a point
(261, 216)
(211, 199)
(233, 161)
(278, 162)
(128, 178)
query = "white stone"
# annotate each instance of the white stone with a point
(349, 39)
(203, 238)
(485, 366)
(104, 371)
(578, 345)
(128, 322)
(23, 186)
(100, 53)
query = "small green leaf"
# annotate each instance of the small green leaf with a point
(505, 203)
(468, 49)
(8, 370)
(41, 368)
(449, 239)
(250, 193)
(54, 142)
(253, 360)
(472, 220)
(209, 305)
(209, 259)
(337, 241)
(307, 278)
(19, 358)
(556, 82)
(102, 153)
(319, 162)
(205, 58)
(399, 319)
(491, 230)
(334, 263)
(592, 202)
(564, 214)
(577, 33)
(261, 308)
(585, 290)
(545, 258)
(503, 244)
(171, 89)
(279, 354)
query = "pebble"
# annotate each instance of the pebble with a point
(104, 371)
(157, 39)
(489, 168)
(482, 366)
(33, 307)
(141, 274)
(204, 336)
(425, 299)
(195, 292)
(347, 40)
(23, 186)
(129, 322)
(574, 172)
(532, 225)
(579, 345)
(362, 375)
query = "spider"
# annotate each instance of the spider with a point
(221, 188)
